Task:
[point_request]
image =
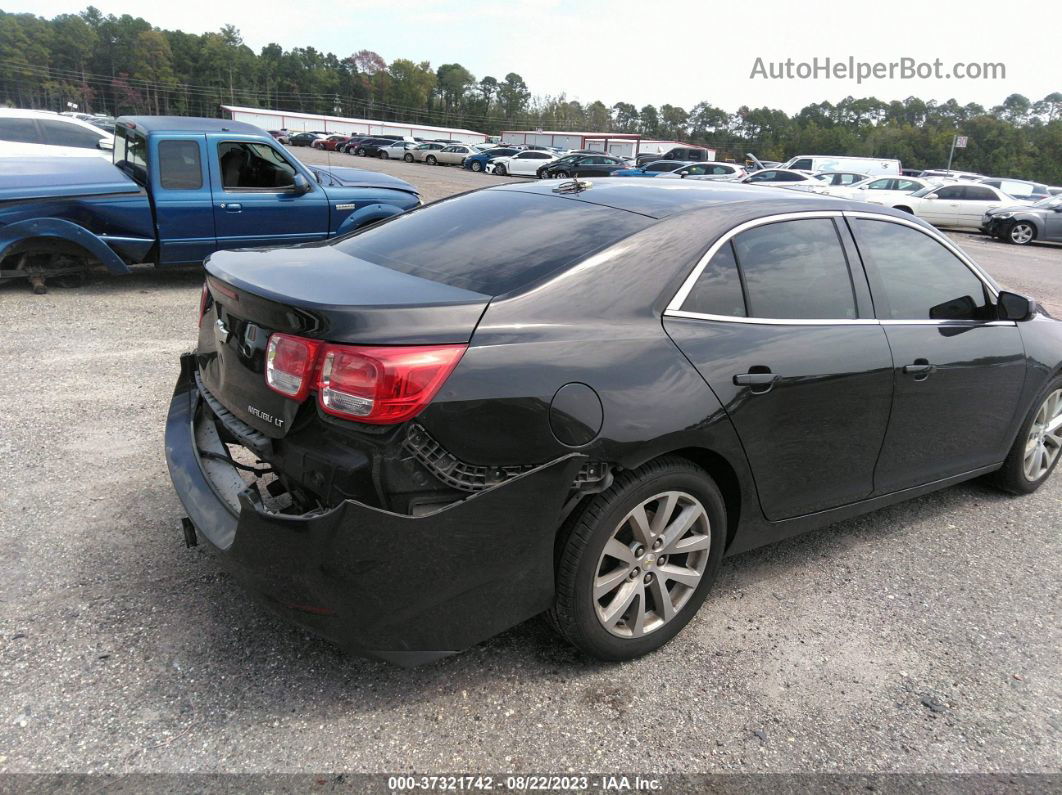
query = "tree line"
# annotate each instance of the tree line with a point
(123, 64)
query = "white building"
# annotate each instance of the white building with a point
(304, 122)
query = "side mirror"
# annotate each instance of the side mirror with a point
(105, 145)
(863, 187)
(300, 184)
(930, 196)
(1015, 307)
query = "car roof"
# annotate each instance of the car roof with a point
(188, 124)
(664, 198)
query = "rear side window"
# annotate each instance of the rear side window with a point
(920, 278)
(179, 165)
(804, 164)
(977, 193)
(718, 288)
(22, 130)
(530, 237)
(795, 270)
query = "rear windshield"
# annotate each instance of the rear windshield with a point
(493, 242)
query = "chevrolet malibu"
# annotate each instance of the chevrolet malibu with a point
(416, 436)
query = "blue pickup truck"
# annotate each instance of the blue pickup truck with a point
(178, 190)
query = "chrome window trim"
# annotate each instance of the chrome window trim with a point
(674, 307)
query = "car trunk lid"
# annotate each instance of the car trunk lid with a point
(320, 293)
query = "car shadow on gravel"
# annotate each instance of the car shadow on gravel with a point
(236, 642)
(100, 282)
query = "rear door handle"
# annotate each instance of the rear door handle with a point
(231, 207)
(920, 369)
(760, 382)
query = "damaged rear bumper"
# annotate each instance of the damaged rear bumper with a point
(401, 588)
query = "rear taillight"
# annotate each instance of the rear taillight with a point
(382, 385)
(291, 363)
(203, 296)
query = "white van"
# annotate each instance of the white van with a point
(871, 166)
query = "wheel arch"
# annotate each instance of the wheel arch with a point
(725, 477)
(59, 236)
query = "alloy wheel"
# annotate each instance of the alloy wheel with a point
(1021, 233)
(652, 564)
(1045, 438)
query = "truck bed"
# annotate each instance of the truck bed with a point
(52, 177)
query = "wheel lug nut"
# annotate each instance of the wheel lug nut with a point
(648, 578)
(661, 560)
(658, 543)
(635, 573)
(639, 551)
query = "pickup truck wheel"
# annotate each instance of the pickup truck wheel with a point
(431, 160)
(63, 269)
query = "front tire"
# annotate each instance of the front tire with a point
(561, 175)
(639, 559)
(431, 160)
(476, 165)
(1020, 233)
(1038, 446)
(499, 169)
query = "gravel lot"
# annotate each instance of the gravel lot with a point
(924, 637)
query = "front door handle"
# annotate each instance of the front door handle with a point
(920, 369)
(231, 207)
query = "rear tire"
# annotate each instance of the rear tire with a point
(408, 157)
(431, 160)
(476, 165)
(561, 175)
(1023, 471)
(651, 545)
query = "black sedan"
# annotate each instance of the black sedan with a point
(303, 139)
(582, 165)
(411, 438)
(371, 147)
(1021, 224)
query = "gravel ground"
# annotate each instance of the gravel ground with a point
(923, 637)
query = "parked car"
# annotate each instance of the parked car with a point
(478, 161)
(280, 136)
(396, 150)
(752, 384)
(105, 123)
(652, 168)
(305, 138)
(706, 172)
(871, 166)
(38, 133)
(592, 165)
(1021, 224)
(449, 155)
(373, 146)
(784, 178)
(886, 191)
(421, 151)
(1019, 188)
(330, 143)
(351, 144)
(951, 175)
(179, 189)
(956, 205)
(523, 164)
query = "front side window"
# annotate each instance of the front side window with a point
(908, 185)
(880, 184)
(253, 166)
(795, 270)
(952, 192)
(179, 165)
(660, 167)
(717, 290)
(920, 278)
(804, 164)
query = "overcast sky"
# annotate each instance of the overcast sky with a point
(673, 51)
